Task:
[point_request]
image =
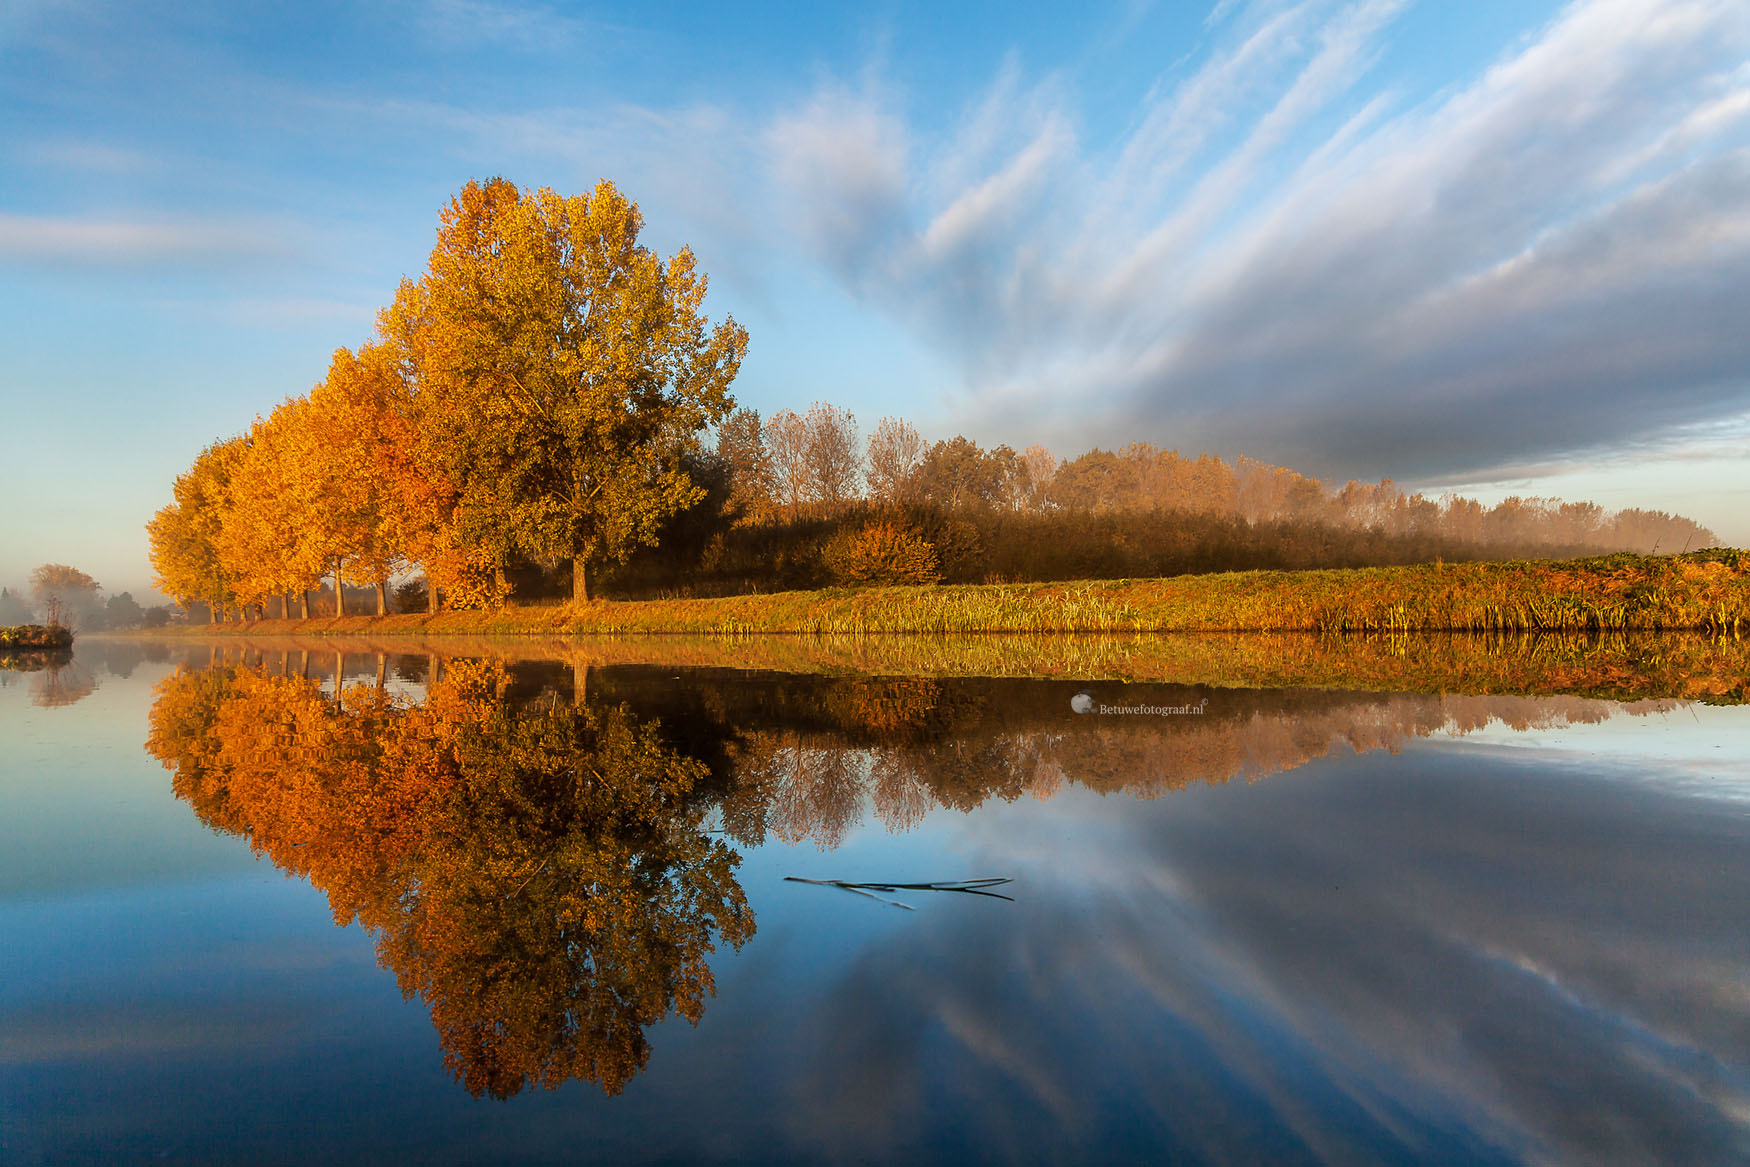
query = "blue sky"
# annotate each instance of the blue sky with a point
(1496, 245)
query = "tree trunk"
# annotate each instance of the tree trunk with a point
(579, 683)
(382, 596)
(285, 605)
(382, 671)
(503, 586)
(431, 596)
(304, 604)
(339, 593)
(579, 581)
(212, 615)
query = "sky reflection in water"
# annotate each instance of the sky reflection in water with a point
(1235, 936)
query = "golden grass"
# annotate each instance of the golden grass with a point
(1705, 591)
(1620, 666)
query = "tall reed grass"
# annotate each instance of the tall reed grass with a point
(1706, 591)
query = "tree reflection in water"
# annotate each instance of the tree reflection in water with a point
(57, 678)
(537, 873)
(540, 869)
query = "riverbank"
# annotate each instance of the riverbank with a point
(1707, 591)
(1616, 666)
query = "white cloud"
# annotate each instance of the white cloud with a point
(56, 241)
(1277, 259)
(845, 160)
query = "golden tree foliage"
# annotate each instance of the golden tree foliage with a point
(536, 393)
(353, 467)
(185, 537)
(260, 540)
(563, 369)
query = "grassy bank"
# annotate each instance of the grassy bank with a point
(1706, 591)
(1620, 666)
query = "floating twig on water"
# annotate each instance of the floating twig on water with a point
(971, 887)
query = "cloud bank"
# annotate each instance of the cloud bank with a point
(1280, 257)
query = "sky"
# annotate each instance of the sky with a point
(1502, 247)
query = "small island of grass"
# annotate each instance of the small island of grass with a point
(36, 638)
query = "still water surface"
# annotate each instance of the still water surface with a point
(467, 910)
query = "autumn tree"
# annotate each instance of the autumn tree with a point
(416, 462)
(351, 457)
(833, 461)
(1040, 465)
(564, 369)
(267, 521)
(64, 592)
(787, 450)
(958, 473)
(185, 536)
(895, 452)
(741, 448)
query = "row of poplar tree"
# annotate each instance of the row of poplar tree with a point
(535, 394)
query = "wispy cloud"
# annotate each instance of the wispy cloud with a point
(43, 239)
(95, 157)
(1283, 257)
(468, 23)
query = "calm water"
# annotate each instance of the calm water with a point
(469, 911)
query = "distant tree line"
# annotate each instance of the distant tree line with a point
(801, 500)
(64, 596)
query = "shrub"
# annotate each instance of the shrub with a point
(411, 596)
(880, 552)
